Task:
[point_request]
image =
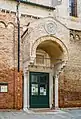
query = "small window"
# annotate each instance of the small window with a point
(40, 59)
(34, 79)
(73, 7)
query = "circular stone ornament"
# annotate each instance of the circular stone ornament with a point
(50, 27)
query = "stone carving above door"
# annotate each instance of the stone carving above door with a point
(50, 27)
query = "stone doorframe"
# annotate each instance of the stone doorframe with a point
(26, 104)
(26, 90)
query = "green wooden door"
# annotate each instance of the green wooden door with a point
(39, 90)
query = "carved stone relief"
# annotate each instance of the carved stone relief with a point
(50, 27)
(74, 35)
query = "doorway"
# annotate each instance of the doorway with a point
(39, 90)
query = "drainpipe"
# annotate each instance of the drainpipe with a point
(18, 23)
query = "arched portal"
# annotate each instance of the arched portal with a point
(48, 57)
(52, 45)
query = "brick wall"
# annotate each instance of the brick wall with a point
(13, 99)
(8, 64)
(70, 79)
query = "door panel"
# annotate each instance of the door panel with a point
(39, 90)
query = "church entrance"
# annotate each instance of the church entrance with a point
(39, 90)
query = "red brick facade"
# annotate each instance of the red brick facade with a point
(69, 92)
(12, 99)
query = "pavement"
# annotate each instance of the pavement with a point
(54, 114)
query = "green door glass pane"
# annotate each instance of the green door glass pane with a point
(34, 79)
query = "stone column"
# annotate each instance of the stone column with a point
(25, 92)
(56, 92)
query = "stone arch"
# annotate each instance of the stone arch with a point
(2, 24)
(51, 38)
(59, 66)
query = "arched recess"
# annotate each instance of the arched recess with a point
(54, 47)
(57, 54)
(55, 50)
(2, 24)
(10, 25)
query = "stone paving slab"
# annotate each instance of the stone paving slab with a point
(60, 114)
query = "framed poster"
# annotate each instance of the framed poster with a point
(42, 91)
(34, 89)
(4, 88)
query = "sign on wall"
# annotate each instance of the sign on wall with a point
(3, 87)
